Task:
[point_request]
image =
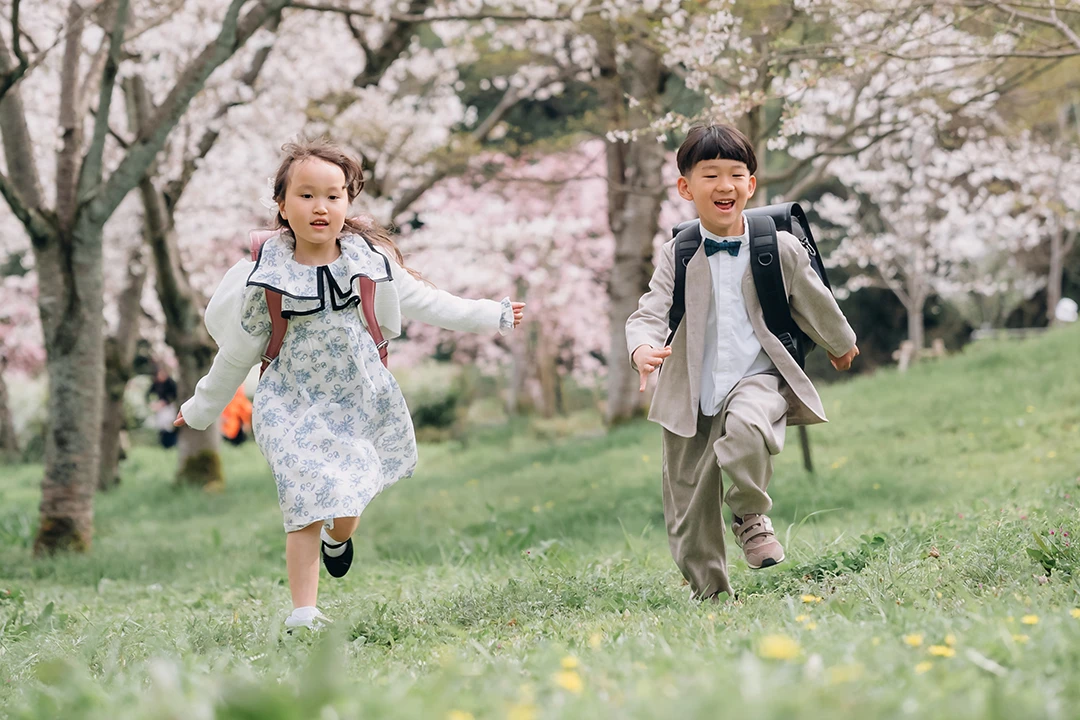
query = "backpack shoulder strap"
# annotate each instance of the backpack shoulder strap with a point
(769, 282)
(278, 323)
(367, 307)
(686, 244)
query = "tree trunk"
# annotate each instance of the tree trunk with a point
(1059, 251)
(635, 193)
(70, 300)
(119, 369)
(549, 378)
(9, 441)
(916, 325)
(198, 462)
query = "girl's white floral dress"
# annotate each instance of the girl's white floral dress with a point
(328, 417)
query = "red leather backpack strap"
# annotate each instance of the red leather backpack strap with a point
(367, 306)
(278, 323)
(278, 326)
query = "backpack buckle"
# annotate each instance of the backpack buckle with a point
(381, 345)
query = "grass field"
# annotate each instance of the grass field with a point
(930, 573)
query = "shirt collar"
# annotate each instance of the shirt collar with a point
(744, 238)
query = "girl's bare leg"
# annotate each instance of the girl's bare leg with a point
(302, 561)
(344, 527)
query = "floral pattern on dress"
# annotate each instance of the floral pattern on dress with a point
(328, 416)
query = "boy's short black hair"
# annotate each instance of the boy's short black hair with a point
(715, 142)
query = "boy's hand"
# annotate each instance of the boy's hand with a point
(647, 358)
(179, 421)
(843, 362)
(519, 312)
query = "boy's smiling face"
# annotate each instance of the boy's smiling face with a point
(719, 190)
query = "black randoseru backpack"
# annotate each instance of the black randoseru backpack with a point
(765, 266)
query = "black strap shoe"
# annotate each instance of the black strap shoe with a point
(338, 566)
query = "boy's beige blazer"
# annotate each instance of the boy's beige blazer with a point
(676, 402)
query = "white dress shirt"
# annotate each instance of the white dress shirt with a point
(732, 350)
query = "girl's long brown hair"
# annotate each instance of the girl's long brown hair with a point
(326, 150)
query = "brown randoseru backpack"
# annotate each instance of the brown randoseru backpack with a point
(279, 323)
(764, 265)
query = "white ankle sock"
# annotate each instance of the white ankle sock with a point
(332, 547)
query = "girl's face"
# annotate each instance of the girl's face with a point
(315, 203)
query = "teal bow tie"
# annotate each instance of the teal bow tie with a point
(712, 247)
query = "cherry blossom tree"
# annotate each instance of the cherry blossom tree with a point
(92, 176)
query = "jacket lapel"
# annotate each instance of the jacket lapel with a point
(698, 295)
(793, 375)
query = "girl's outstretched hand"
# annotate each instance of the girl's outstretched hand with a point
(179, 421)
(519, 312)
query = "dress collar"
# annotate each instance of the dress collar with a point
(304, 288)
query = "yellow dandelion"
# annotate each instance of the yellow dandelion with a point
(801, 618)
(595, 640)
(569, 680)
(778, 647)
(877, 486)
(950, 639)
(914, 639)
(924, 667)
(549, 504)
(710, 616)
(1021, 638)
(509, 533)
(941, 651)
(473, 483)
(875, 641)
(1009, 619)
(811, 625)
(459, 715)
(811, 599)
(1030, 619)
(1075, 612)
(1051, 454)
(569, 662)
(536, 508)
(644, 458)
(1031, 408)
(521, 712)
(844, 673)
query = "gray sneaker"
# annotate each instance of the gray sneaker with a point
(758, 541)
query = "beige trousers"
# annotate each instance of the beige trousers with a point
(741, 439)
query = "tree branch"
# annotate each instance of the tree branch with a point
(209, 138)
(141, 155)
(90, 173)
(33, 219)
(509, 99)
(12, 76)
(18, 152)
(1051, 20)
(71, 122)
(427, 18)
(397, 41)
